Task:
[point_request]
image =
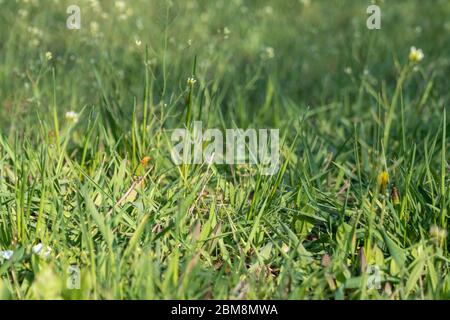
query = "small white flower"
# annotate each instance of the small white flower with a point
(191, 81)
(7, 254)
(138, 42)
(72, 116)
(416, 55)
(120, 5)
(42, 251)
(268, 10)
(37, 248)
(48, 56)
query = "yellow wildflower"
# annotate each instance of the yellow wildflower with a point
(383, 179)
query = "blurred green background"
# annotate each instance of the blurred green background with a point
(312, 52)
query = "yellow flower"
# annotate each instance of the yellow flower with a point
(416, 55)
(383, 179)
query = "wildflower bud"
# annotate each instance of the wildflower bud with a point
(394, 196)
(145, 161)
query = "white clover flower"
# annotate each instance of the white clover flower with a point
(416, 55)
(268, 10)
(42, 251)
(72, 116)
(120, 5)
(6, 254)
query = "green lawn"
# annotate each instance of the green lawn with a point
(360, 204)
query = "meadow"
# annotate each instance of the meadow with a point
(93, 207)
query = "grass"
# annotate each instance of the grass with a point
(364, 175)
